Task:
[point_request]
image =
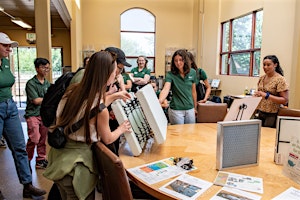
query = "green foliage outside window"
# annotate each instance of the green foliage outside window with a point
(240, 52)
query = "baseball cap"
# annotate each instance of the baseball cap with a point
(4, 39)
(120, 55)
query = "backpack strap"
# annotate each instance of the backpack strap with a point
(75, 127)
(200, 73)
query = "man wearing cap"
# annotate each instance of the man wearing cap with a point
(10, 125)
(119, 85)
(121, 62)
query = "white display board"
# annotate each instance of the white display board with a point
(242, 109)
(146, 117)
(287, 127)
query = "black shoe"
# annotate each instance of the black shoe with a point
(29, 191)
(1, 196)
(41, 164)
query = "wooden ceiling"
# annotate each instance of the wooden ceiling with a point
(24, 9)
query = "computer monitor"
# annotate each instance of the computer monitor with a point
(242, 109)
(238, 144)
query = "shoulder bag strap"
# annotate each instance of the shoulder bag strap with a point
(94, 112)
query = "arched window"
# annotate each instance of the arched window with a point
(138, 36)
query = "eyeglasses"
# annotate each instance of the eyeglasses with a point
(6, 45)
(43, 67)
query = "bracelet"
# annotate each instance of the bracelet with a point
(267, 95)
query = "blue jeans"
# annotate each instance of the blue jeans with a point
(11, 128)
(182, 116)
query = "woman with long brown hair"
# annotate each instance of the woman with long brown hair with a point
(182, 81)
(72, 168)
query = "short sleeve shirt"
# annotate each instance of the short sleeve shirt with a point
(182, 98)
(201, 75)
(6, 80)
(125, 77)
(140, 74)
(34, 89)
(274, 87)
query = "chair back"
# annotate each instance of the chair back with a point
(289, 112)
(211, 112)
(113, 176)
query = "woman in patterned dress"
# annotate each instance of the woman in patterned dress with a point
(273, 89)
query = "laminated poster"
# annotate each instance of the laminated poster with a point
(291, 166)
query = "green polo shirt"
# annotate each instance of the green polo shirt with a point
(140, 74)
(182, 98)
(125, 77)
(7, 80)
(201, 75)
(34, 89)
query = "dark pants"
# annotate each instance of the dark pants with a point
(267, 119)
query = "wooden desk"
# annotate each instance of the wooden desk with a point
(198, 142)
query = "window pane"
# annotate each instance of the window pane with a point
(132, 61)
(256, 63)
(225, 39)
(56, 63)
(239, 64)
(241, 34)
(135, 44)
(258, 29)
(137, 20)
(224, 64)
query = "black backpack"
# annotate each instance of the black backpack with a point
(200, 88)
(52, 98)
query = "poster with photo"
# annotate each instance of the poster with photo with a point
(158, 171)
(233, 194)
(290, 194)
(239, 181)
(186, 187)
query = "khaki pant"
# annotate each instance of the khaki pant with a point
(66, 189)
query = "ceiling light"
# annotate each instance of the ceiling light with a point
(16, 20)
(21, 23)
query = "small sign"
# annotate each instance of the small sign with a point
(31, 36)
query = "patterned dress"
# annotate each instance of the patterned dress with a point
(276, 85)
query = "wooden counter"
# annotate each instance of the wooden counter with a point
(198, 142)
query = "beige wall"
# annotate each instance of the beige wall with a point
(174, 24)
(295, 74)
(279, 35)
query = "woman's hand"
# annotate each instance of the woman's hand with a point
(125, 127)
(260, 94)
(124, 95)
(112, 89)
(202, 101)
(109, 98)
